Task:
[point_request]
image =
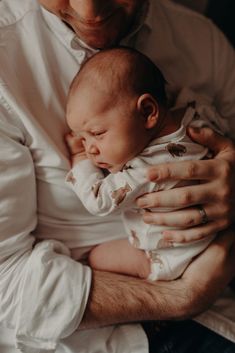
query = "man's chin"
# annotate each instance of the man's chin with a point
(97, 39)
(98, 43)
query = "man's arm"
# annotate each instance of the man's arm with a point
(118, 299)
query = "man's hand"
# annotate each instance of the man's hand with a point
(215, 191)
(117, 298)
(76, 148)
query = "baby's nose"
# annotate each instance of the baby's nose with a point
(92, 149)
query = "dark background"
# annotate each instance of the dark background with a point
(222, 13)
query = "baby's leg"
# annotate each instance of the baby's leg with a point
(121, 257)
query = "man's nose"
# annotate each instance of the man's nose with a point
(92, 10)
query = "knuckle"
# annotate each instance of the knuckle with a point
(225, 194)
(226, 209)
(191, 169)
(161, 220)
(190, 221)
(153, 200)
(225, 169)
(164, 172)
(186, 198)
(180, 238)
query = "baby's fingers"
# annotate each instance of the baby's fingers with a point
(74, 143)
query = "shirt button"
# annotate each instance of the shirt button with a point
(81, 55)
(76, 45)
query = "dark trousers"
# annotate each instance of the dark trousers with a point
(185, 337)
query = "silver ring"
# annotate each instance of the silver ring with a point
(204, 218)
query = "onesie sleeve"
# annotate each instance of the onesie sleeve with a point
(43, 292)
(101, 195)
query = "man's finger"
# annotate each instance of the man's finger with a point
(179, 197)
(209, 138)
(186, 217)
(185, 170)
(195, 233)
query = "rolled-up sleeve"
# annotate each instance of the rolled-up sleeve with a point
(43, 292)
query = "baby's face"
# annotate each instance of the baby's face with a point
(112, 134)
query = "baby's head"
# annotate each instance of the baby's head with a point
(115, 104)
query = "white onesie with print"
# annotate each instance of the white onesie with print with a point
(103, 194)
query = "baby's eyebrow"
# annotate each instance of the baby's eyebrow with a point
(97, 128)
(83, 132)
(91, 130)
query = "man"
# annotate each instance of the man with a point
(45, 294)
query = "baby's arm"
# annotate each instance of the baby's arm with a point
(102, 194)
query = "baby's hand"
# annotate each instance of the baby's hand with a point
(76, 148)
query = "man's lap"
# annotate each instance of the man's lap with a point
(185, 337)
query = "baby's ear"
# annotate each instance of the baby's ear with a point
(148, 108)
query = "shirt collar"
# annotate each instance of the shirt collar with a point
(65, 34)
(57, 26)
(140, 21)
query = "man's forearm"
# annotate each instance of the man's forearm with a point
(117, 298)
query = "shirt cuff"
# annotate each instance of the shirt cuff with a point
(54, 294)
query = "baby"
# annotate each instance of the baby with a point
(117, 111)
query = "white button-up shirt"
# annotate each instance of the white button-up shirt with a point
(43, 291)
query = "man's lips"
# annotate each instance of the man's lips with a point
(91, 24)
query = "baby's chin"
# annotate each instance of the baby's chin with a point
(115, 168)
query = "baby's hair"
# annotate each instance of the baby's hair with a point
(123, 70)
